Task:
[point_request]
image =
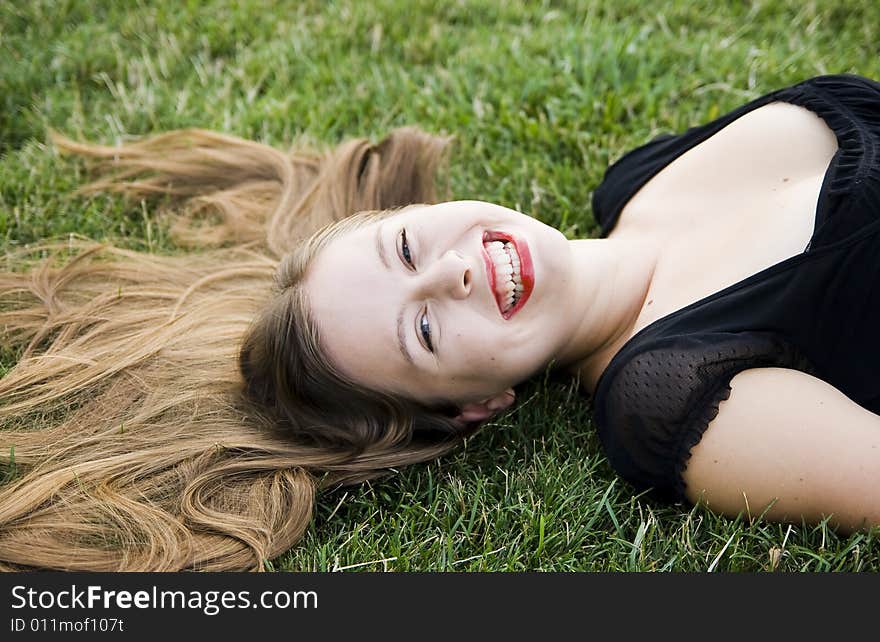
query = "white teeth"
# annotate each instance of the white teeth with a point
(506, 262)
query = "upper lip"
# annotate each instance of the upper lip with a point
(490, 270)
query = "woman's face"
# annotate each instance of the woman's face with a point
(454, 302)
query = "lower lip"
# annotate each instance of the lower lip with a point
(526, 269)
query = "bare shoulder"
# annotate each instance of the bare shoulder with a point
(793, 442)
(789, 130)
(765, 151)
(775, 141)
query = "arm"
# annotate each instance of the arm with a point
(786, 435)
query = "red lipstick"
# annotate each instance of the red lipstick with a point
(526, 269)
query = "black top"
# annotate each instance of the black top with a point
(818, 311)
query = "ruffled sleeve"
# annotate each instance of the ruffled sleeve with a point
(653, 407)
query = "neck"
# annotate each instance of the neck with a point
(612, 280)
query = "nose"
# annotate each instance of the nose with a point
(450, 275)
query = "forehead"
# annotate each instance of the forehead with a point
(355, 307)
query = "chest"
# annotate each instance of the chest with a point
(730, 207)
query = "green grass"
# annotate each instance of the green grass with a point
(541, 97)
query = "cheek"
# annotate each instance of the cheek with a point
(484, 361)
(471, 360)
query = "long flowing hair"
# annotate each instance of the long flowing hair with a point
(151, 421)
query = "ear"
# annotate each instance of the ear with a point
(482, 410)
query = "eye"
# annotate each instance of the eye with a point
(404, 249)
(425, 329)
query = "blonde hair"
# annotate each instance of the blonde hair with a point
(175, 412)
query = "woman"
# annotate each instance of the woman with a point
(723, 325)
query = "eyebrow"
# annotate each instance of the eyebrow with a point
(381, 248)
(401, 340)
(401, 333)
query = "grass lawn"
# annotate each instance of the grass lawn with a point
(541, 96)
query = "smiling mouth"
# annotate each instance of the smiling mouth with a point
(509, 270)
